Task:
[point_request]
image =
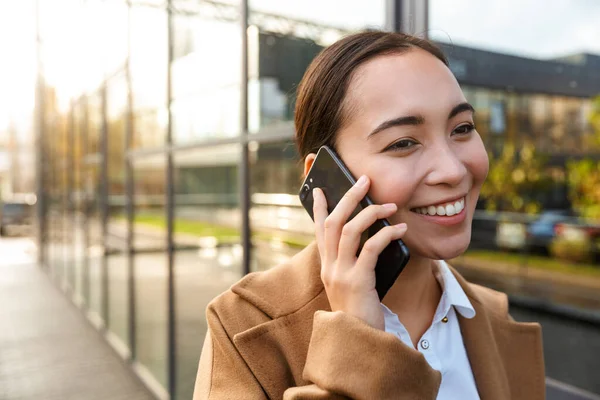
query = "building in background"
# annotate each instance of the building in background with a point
(168, 169)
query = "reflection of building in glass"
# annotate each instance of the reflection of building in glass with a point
(519, 98)
(282, 61)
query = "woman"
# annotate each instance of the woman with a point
(314, 328)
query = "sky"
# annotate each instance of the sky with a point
(533, 28)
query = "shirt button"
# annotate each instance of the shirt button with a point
(424, 344)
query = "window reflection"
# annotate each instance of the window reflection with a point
(283, 40)
(150, 265)
(148, 64)
(206, 78)
(279, 224)
(208, 256)
(207, 197)
(116, 243)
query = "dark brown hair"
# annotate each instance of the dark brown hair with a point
(320, 110)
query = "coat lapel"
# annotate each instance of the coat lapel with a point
(506, 357)
(484, 357)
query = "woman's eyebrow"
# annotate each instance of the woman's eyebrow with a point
(462, 107)
(417, 119)
(408, 120)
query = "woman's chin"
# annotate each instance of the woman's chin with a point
(450, 252)
(444, 250)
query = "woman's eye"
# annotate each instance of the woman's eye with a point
(464, 129)
(403, 144)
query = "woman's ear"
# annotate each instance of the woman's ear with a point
(308, 162)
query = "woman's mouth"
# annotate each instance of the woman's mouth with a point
(443, 209)
(447, 213)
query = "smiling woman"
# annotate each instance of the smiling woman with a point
(314, 327)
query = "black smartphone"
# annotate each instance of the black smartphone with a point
(329, 173)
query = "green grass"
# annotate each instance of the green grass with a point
(535, 261)
(195, 228)
(222, 233)
(225, 234)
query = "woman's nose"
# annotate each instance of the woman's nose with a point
(446, 167)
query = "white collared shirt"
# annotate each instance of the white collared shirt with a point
(442, 344)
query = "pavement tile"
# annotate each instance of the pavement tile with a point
(49, 351)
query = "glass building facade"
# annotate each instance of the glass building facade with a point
(166, 157)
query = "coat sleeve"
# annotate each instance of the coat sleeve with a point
(222, 372)
(347, 359)
(224, 375)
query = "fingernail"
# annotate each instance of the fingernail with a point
(362, 181)
(315, 192)
(402, 226)
(390, 206)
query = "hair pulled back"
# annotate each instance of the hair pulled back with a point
(321, 109)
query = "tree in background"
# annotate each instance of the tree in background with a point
(594, 120)
(516, 179)
(583, 177)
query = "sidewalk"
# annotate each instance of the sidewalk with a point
(47, 348)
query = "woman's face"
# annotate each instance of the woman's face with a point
(410, 130)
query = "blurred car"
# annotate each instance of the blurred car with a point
(15, 214)
(511, 235)
(577, 241)
(542, 231)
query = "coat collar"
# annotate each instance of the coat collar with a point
(506, 357)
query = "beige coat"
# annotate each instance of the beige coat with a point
(273, 335)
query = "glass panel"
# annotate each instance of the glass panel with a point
(207, 236)
(78, 200)
(117, 260)
(92, 188)
(54, 184)
(68, 211)
(94, 124)
(150, 265)
(283, 39)
(95, 242)
(541, 225)
(61, 165)
(280, 225)
(206, 92)
(117, 265)
(148, 63)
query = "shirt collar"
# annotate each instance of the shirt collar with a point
(453, 294)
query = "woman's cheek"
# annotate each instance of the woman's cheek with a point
(478, 161)
(395, 190)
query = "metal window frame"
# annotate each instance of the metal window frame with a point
(408, 16)
(69, 218)
(104, 206)
(170, 209)
(40, 159)
(130, 198)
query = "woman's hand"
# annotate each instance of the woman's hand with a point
(349, 280)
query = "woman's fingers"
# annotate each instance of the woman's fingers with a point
(353, 230)
(375, 245)
(334, 223)
(319, 215)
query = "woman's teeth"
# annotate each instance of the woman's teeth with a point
(449, 209)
